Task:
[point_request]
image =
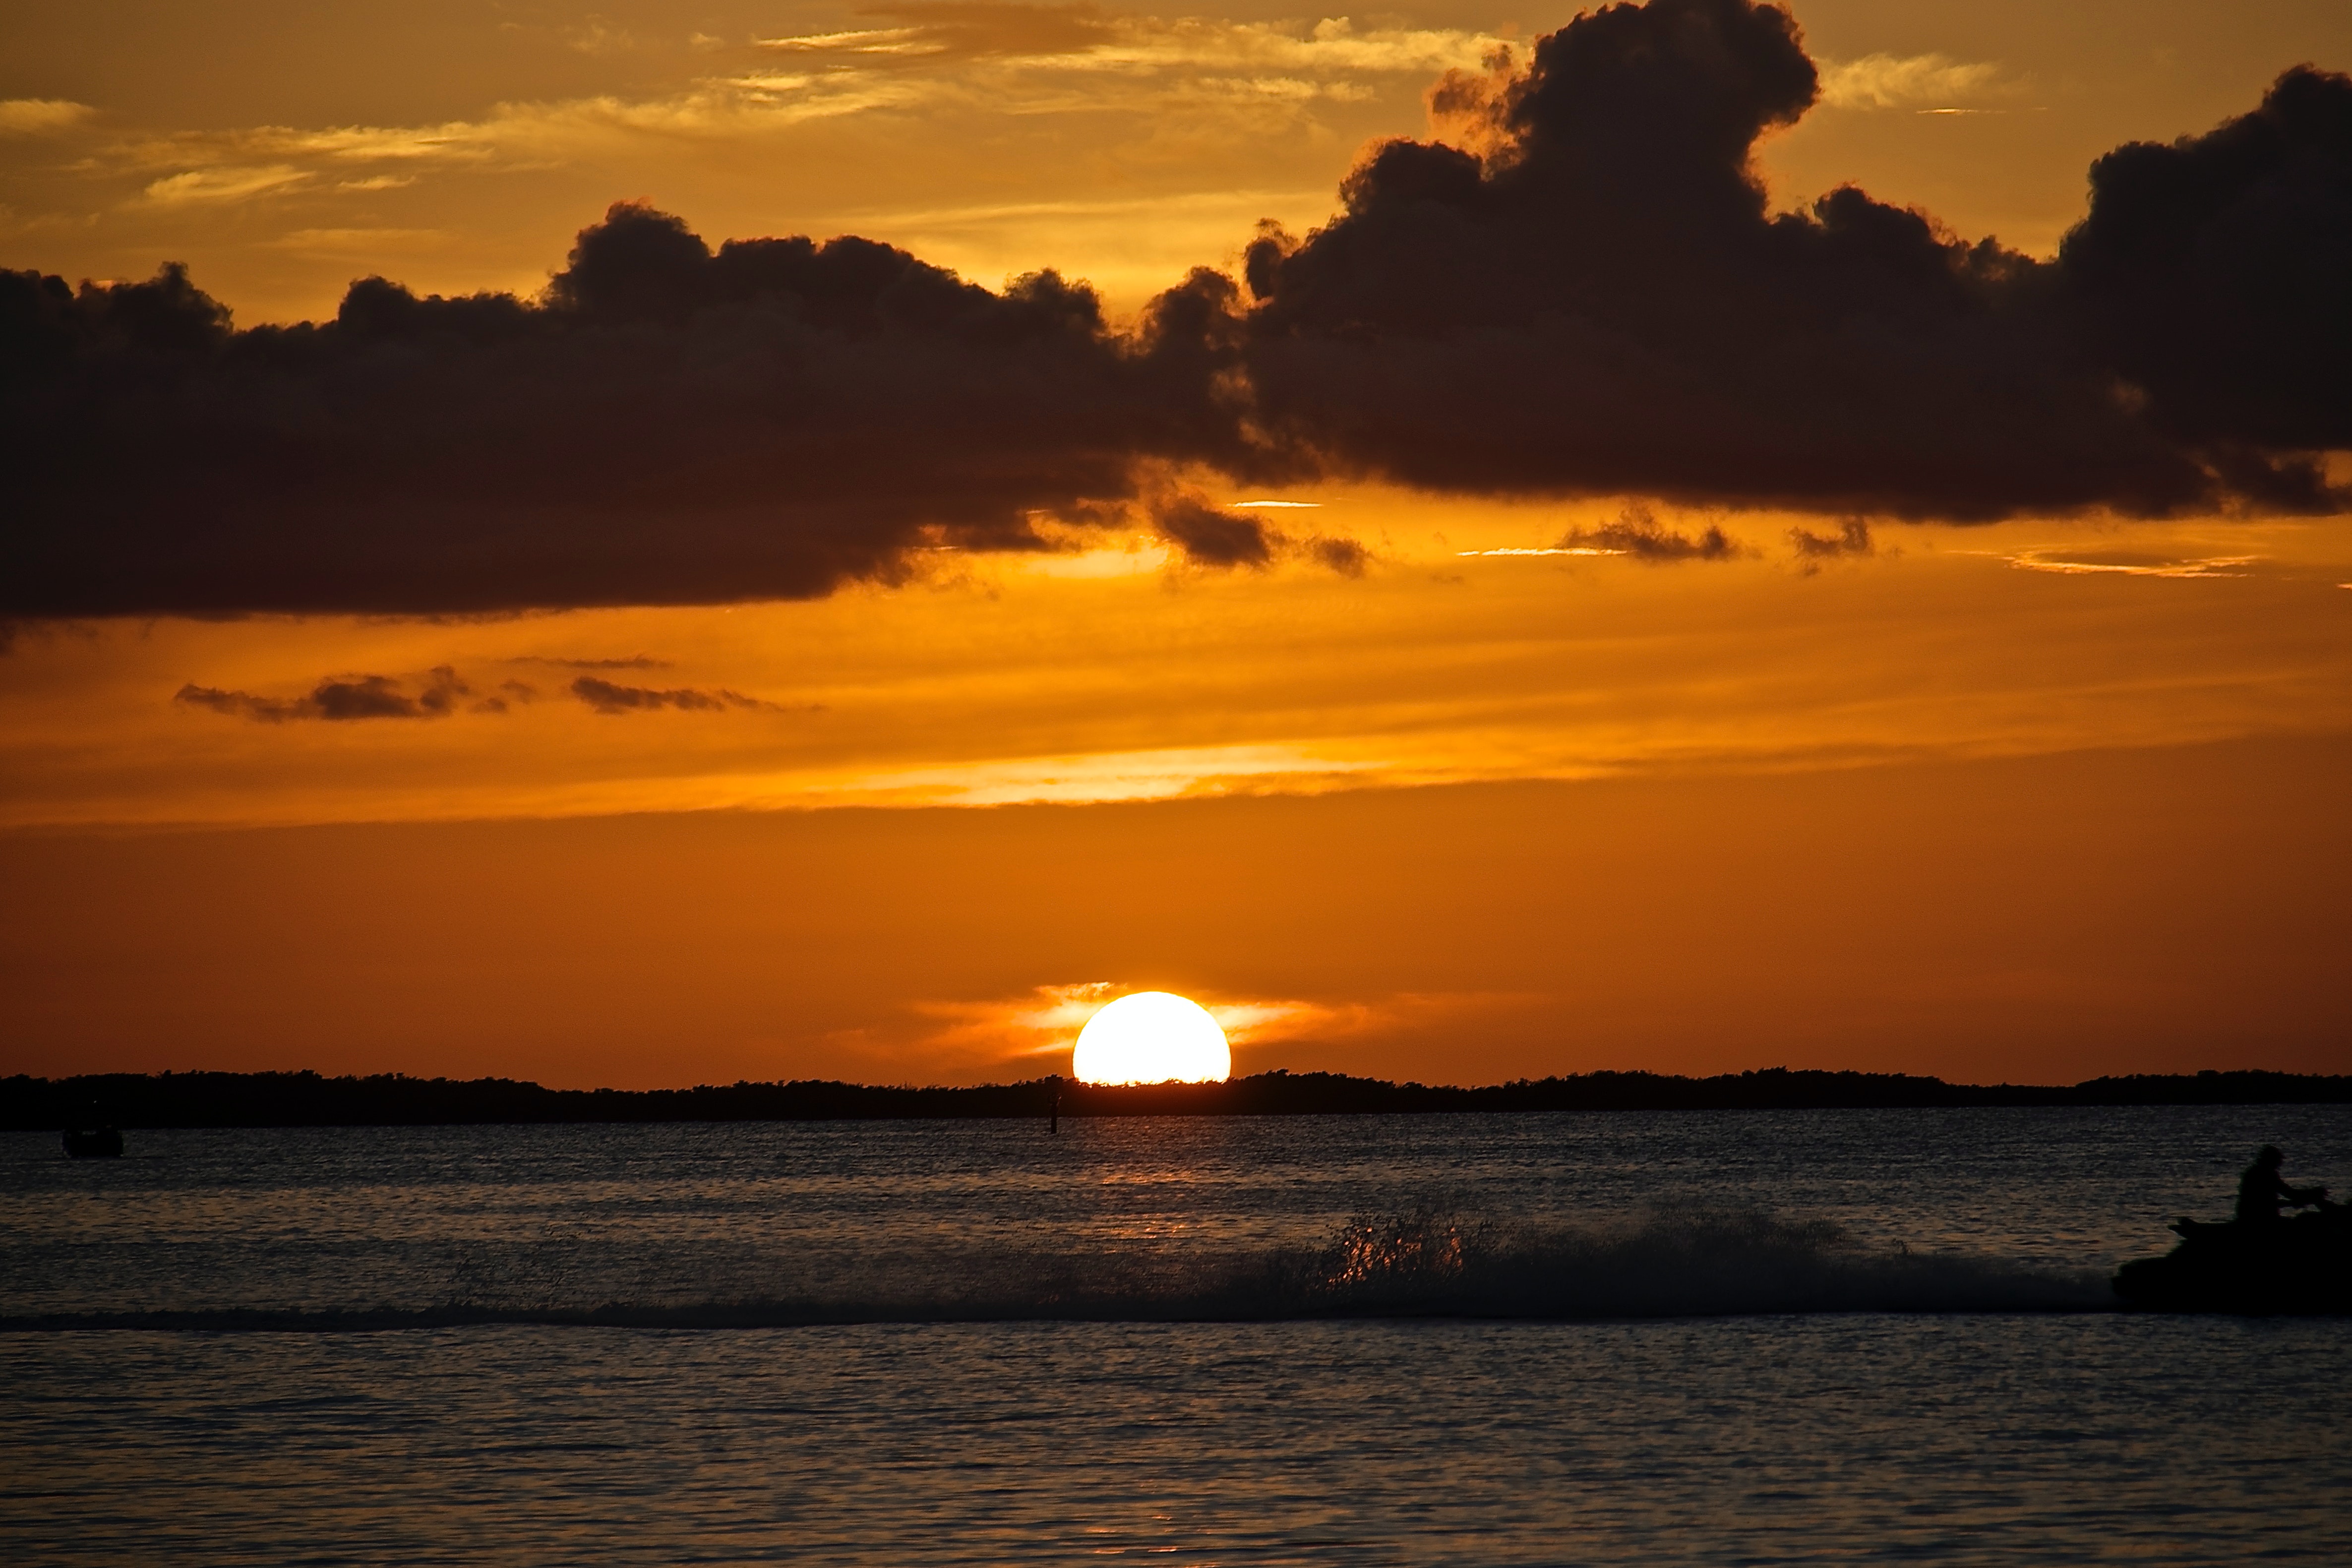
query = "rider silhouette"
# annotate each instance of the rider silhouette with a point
(2261, 1192)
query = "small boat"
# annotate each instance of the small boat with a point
(2297, 1266)
(93, 1143)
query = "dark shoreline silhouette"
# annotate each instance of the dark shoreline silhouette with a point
(391, 1100)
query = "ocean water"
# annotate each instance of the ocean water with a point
(1747, 1337)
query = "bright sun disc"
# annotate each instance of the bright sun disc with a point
(1152, 1036)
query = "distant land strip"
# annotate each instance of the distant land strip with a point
(393, 1099)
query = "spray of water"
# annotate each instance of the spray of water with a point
(1427, 1261)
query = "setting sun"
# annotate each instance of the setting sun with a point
(1152, 1036)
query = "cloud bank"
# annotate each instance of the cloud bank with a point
(1584, 291)
(1590, 294)
(668, 423)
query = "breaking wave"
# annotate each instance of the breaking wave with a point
(1417, 1263)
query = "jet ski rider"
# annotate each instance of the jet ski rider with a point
(2261, 1192)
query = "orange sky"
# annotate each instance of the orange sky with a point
(282, 148)
(1490, 793)
(2022, 919)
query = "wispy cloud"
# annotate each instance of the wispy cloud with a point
(227, 183)
(1852, 538)
(41, 116)
(1906, 81)
(1031, 1025)
(345, 698)
(1084, 38)
(1168, 773)
(595, 38)
(1008, 59)
(2087, 562)
(1641, 535)
(441, 692)
(366, 242)
(1547, 550)
(857, 41)
(609, 698)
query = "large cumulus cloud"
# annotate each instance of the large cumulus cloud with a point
(2216, 273)
(1598, 298)
(1584, 292)
(668, 425)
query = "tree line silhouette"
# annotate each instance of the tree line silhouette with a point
(395, 1100)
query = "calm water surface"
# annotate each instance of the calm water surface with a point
(1736, 1338)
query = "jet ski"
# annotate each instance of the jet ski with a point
(2287, 1266)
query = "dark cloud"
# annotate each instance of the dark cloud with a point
(1345, 556)
(1642, 536)
(1214, 536)
(668, 425)
(345, 698)
(2216, 273)
(1852, 538)
(641, 661)
(1587, 294)
(1211, 536)
(1597, 299)
(605, 696)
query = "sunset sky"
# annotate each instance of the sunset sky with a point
(1475, 543)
